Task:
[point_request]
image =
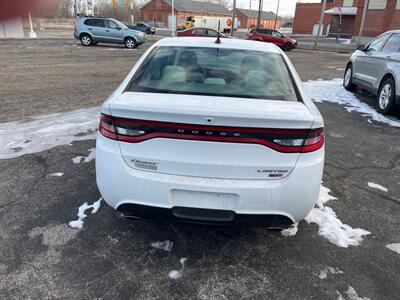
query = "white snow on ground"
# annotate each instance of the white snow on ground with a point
(164, 245)
(340, 297)
(330, 227)
(291, 231)
(352, 294)
(85, 159)
(333, 91)
(377, 186)
(44, 132)
(57, 174)
(394, 247)
(81, 213)
(177, 274)
(329, 270)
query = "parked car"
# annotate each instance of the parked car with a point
(211, 133)
(272, 36)
(200, 32)
(143, 27)
(93, 30)
(376, 68)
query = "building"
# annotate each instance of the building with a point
(344, 16)
(248, 18)
(159, 12)
(11, 28)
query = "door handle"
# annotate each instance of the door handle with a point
(107, 30)
(90, 28)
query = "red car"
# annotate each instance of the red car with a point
(197, 31)
(272, 36)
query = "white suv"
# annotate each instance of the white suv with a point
(201, 131)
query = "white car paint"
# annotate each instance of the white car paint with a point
(244, 178)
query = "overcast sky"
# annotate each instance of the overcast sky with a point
(286, 7)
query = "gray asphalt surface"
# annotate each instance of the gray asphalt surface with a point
(111, 258)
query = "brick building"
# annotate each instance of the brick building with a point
(382, 15)
(248, 18)
(159, 11)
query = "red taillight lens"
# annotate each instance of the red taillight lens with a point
(315, 140)
(106, 127)
(281, 140)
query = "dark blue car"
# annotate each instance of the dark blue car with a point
(143, 27)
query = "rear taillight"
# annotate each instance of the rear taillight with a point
(75, 28)
(281, 140)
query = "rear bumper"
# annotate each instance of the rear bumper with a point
(123, 186)
(201, 216)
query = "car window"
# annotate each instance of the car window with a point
(216, 72)
(200, 31)
(94, 22)
(88, 22)
(392, 44)
(111, 24)
(376, 44)
(276, 33)
(212, 33)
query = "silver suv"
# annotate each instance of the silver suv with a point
(376, 68)
(93, 30)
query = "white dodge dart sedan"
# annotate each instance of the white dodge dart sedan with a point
(208, 131)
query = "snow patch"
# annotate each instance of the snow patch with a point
(291, 231)
(333, 91)
(377, 186)
(81, 213)
(352, 294)
(329, 270)
(85, 159)
(394, 247)
(177, 274)
(165, 245)
(330, 227)
(57, 174)
(47, 131)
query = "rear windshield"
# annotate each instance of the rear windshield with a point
(215, 72)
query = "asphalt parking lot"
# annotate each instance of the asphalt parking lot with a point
(41, 257)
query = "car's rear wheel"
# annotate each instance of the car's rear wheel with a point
(347, 79)
(386, 96)
(287, 47)
(86, 40)
(147, 31)
(130, 43)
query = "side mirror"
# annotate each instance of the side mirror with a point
(361, 47)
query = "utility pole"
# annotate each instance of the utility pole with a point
(276, 15)
(366, 3)
(321, 18)
(173, 18)
(233, 17)
(76, 10)
(260, 6)
(131, 11)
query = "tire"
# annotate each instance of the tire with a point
(147, 31)
(130, 43)
(347, 78)
(386, 96)
(86, 40)
(287, 47)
